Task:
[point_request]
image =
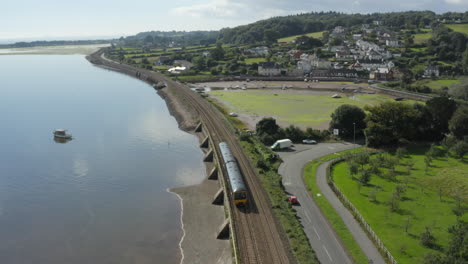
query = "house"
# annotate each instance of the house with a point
(296, 54)
(257, 51)
(308, 62)
(357, 36)
(431, 71)
(161, 60)
(381, 74)
(377, 22)
(184, 63)
(268, 69)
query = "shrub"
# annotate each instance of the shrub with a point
(427, 239)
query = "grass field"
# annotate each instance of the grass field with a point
(291, 38)
(437, 84)
(422, 37)
(332, 217)
(287, 108)
(254, 60)
(463, 28)
(419, 206)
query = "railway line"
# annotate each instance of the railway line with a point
(257, 235)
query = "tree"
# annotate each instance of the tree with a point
(218, 52)
(267, 130)
(270, 36)
(389, 123)
(441, 109)
(460, 149)
(458, 124)
(427, 239)
(305, 43)
(465, 61)
(347, 117)
(460, 90)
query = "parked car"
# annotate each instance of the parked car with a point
(293, 200)
(309, 141)
(233, 114)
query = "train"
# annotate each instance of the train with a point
(236, 182)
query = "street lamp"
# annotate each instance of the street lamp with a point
(354, 133)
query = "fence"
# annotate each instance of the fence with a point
(356, 213)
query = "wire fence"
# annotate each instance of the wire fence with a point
(357, 215)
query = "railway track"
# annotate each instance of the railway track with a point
(257, 235)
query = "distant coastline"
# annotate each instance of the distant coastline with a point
(84, 49)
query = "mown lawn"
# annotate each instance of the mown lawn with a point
(463, 28)
(299, 109)
(419, 207)
(312, 35)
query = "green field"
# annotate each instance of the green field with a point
(312, 35)
(463, 28)
(437, 84)
(422, 37)
(254, 60)
(303, 110)
(419, 206)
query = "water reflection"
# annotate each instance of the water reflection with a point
(62, 140)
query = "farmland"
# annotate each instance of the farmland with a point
(463, 28)
(291, 38)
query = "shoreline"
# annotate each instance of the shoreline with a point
(200, 219)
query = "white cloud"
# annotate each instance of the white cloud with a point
(215, 8)
(238, 10)
(457, 2)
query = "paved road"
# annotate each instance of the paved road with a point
(321, 236)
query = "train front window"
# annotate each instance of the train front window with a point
(240, 195)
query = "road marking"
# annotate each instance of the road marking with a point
(316, 232)
(307, 215)
(326, 251)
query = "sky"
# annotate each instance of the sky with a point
(86, 19)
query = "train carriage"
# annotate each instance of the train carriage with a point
(236, 182)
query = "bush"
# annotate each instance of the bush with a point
(427, 239)
(460, 149)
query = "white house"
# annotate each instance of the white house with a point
(268, 69)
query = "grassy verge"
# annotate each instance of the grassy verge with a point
(427, 201)
(333, 218)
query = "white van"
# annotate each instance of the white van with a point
(282, 144)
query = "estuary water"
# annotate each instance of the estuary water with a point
(101, 197)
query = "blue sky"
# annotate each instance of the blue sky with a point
(60, 19)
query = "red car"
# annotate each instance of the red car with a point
(293, 200)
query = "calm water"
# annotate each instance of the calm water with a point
(100, 198)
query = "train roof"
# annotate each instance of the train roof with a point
(235, 177)
(226, 152)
